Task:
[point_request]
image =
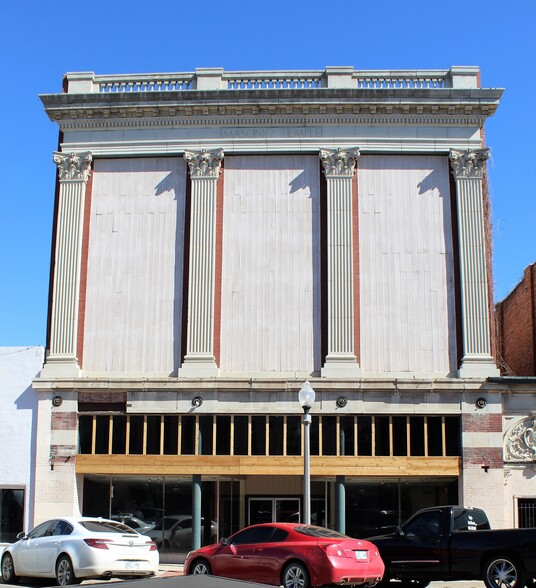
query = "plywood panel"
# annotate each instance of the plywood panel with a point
(135, 265)
(406, 265)
(163, 465)
(270, 318)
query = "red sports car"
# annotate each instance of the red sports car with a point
(289, 554)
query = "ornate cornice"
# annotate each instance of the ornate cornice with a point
(468, 164)
(520, 442)
(436, 106)
(74, 166)
(338, 162)
(204, 164)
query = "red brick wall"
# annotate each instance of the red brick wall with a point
(490, 457)
(64, 421)
(516, 325)
(483, 423)
(484, 457)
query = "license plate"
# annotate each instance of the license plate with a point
(132, 565)
(361, 555)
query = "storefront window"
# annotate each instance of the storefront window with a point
(160, 508)
(375, 508)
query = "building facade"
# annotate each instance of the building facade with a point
(18, 434)
(221, 237)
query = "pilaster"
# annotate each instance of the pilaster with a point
(73, 170)
(339, 168)
(204, 167)
(468, 168)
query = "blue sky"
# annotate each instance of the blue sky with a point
(40, 41)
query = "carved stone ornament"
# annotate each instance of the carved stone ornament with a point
(204, 164)
(338, 162)
(520, 442)
(74, 166)
(468, 164)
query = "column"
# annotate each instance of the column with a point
(340, 489)
(74, 170)
(196, 511)
(204, 167)
(339, 168)
(468, 168)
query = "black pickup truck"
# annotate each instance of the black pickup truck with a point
(448, 543)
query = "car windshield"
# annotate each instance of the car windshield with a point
(313, 531)
(106, 527)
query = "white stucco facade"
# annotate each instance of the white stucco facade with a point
(18, 423)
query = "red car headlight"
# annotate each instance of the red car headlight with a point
(98, 543)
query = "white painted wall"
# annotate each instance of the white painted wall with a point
(18, 420)
(135, 266)
(270, 265)
(406, 266)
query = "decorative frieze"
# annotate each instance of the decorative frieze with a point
(520, 442)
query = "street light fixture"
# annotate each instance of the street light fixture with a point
(306, 397)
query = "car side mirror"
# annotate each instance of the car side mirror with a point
(22, 535)
(400, 531)
(224, 541)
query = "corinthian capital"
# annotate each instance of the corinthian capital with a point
(204, 164)
(468, 164)
(74, 166)
(338, 162)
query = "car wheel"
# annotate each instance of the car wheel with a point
(503, 572)
(200, 566)
(8, 570)
(65, 575)
(295, 575)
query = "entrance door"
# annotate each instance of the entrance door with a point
(273, 510)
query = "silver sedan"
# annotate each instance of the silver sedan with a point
(72, 549)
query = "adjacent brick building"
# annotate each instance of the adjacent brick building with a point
(516, 327)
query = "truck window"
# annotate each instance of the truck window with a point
(469, 519)
(425, 524)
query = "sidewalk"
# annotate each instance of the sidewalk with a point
(167, 570)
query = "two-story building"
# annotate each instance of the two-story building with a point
(221, 237)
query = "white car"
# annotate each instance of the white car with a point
(134, 522)
(177, 531)
(72, 549)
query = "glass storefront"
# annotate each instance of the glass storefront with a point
(375, 508)
(162, 507)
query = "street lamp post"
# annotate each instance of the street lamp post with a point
(306, 397)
